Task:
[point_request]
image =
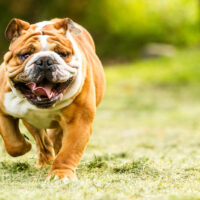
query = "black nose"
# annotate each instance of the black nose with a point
(44, 63)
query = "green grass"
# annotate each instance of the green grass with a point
(145, 143)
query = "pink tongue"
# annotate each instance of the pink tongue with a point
(41, 90)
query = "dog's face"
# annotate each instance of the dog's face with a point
(41, 62)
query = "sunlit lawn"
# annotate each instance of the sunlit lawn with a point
(145, 144)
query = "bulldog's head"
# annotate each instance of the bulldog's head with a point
(41, 63)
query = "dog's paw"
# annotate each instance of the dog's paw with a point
(19, 148)
(65, 175)
(43, 164)
(56, 179)
(44, 160)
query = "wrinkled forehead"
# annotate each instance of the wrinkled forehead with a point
(42, 36)
(46, 26)
(41, 26)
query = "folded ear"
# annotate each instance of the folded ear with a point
(15, 28)
(67, 24)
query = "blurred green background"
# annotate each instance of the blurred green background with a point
(120, 28)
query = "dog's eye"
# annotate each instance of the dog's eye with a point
(24, 56)
(64, 54)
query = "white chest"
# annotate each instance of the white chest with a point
(20, 108)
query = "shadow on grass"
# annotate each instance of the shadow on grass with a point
(15, 171)
(100, 161)
(14, 167)
(137, 167)
(110, 163)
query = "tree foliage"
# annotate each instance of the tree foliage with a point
(120, 27)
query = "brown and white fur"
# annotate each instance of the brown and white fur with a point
(62, 126)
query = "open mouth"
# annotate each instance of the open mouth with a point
(43, 94)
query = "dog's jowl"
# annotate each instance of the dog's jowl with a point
(52, 79)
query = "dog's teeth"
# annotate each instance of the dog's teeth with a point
(50, 95)
(39, 99)
(61, 96)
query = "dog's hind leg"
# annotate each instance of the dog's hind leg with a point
(56, 136)
(44, 145)
(15, 143)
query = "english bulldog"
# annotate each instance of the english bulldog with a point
(51, 79)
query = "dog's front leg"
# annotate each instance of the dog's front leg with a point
(15, 143)
(43, 144)
(76, 134)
